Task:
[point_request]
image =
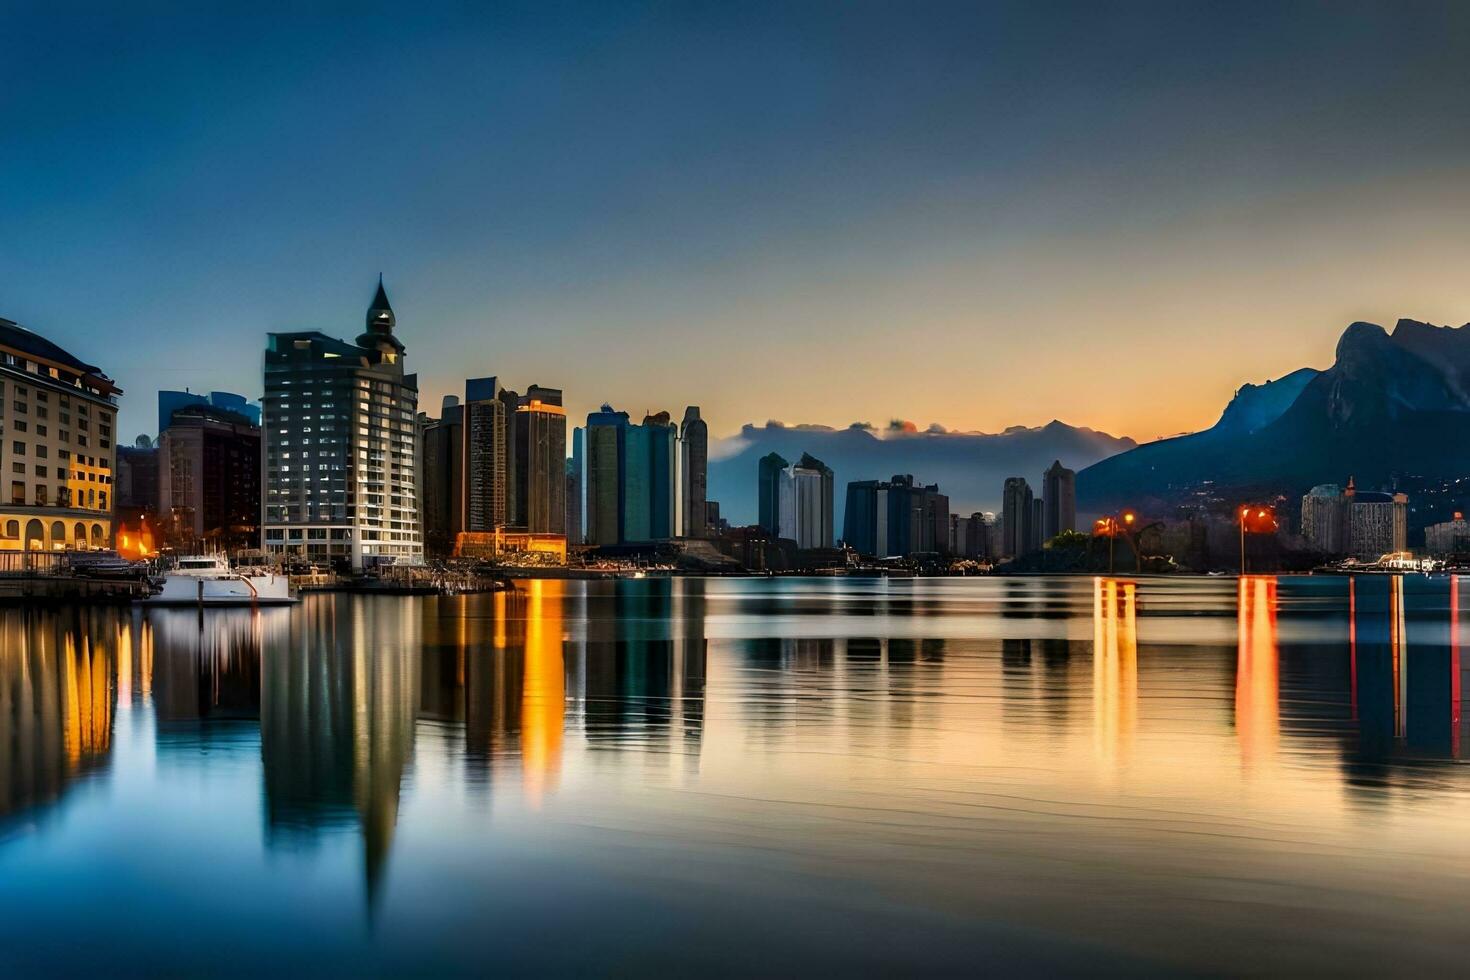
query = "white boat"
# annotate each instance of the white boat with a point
(208, 580)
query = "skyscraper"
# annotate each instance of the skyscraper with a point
(804, 493)
(540, 453)
(650, 475)
(1059, 491)
(1017, 516)
(768, 490)
(574, 496)
(607, 433)
(485, 454)
(693, 472)
(865, 518)
(899, 517)
(441, 476)
(340, 446)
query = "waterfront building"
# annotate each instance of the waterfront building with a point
(539, 451)
(650, 476)
(171, 401)
(1324, 518)
(969, 536)
(442, 476)
(1059, 493)
(340, 445)
(209, 479)
(693, 473)
(606, 436)
(1378, 523)
(57, 415)
(1360, 523)
(1449, 537)
(768, 491)
(574, 493)
(865, 518)
(136, 484)
(896, 517)
(1017, 517)
(486, 453)
(1035, 538)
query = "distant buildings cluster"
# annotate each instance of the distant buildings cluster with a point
(1358, 523)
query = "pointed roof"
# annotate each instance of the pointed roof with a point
(380, 322)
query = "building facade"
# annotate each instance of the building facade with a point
(57, 425)
(539, 449)
(1360, 523)
(209, 480)
(441, 476)
(768, 491)
(1448, 537)
(486, 452)
(340, 425)
(606, 436)
(1017, 517)
(171, 401)
(574, 492)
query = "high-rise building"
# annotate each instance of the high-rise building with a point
(486, 454)
(693, 472)
(804, 493)
(1035, 538)
(539, 449)
(574, 495)
(1017, 516)
(768, 491)
(1059, 491)
(171, 401)
(136, 487)
(57, 415)
(607, 433)
(441, 476)
(969, 536)
(1449, 537)
(340, 444)
(896, 518)
(865, 518)
(209, 486)
(650, 480)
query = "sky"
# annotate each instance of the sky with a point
(976, 215)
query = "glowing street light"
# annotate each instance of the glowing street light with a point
(1109, 525)
(1258, 518)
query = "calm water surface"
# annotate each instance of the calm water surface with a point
(744, 776)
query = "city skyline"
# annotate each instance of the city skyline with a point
(1066, 189)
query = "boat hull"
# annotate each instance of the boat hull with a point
(242, 590)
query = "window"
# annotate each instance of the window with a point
(17, 492)
(19, 448)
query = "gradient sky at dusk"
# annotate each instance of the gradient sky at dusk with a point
(977, 214)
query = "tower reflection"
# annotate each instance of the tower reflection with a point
(1257, 710)
(1114, 668)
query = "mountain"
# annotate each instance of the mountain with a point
(968, 466)
(1392, 405)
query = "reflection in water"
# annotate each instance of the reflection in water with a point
(1114, 670)
(1257, 718)
(58, 692)
(857, 737)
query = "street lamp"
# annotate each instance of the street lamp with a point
(1261, 515)
(1109, 526)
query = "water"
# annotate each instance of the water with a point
(744, 776)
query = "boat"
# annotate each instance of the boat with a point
(208, 580)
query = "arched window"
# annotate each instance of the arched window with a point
(12, 529)
(58, 535)
(98, 540)
(79, 535)
(35, 536)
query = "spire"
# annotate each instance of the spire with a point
(380, 322)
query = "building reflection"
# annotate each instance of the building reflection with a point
(59, 683)
(207, 667)
(1257, 709)
(1114, 669)
(338, 705)
(1406, 669)
(643, 665)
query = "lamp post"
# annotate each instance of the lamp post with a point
(1110, 525)
(1261, 515)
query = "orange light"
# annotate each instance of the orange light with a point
(1128, 518)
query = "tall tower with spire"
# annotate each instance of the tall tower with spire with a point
(341, 440)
